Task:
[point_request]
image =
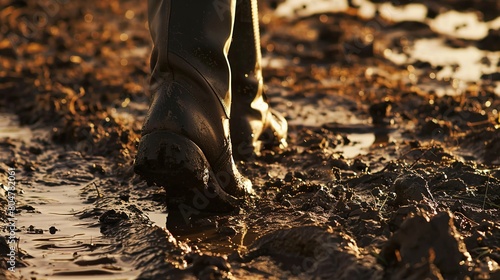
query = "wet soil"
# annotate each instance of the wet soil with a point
(392, 169)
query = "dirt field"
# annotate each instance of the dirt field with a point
(392, 169)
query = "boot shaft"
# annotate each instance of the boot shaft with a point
(197, 32)
(245, 54)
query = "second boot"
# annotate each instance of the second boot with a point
(253, 123)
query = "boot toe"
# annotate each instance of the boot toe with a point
(191, 182)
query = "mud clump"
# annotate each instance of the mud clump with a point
(208, 267)
(411, 187)
(111, 218)
(436, 129)
(324, 253)
(424, 247)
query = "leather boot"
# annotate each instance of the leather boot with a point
(185, 144)
(253, 123)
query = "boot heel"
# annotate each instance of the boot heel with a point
(177, 164)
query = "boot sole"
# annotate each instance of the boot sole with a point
(178, 165)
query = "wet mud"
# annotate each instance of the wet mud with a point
(392, 169)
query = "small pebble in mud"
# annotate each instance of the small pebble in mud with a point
(33, 230)
(411, 187)
(53, 230)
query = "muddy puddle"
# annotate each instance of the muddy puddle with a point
(10, 128)
(59, 244)
(453, 63)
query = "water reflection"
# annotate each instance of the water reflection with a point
(460, 25)
(464, 25)
(467, 59)
(362, 137)
(454, 55)
(410, 12)
(9, 128)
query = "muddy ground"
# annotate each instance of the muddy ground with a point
(392, 169)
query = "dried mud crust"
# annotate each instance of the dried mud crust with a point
(422, 201)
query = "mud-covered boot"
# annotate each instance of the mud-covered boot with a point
(185, 144)
(253, 123)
